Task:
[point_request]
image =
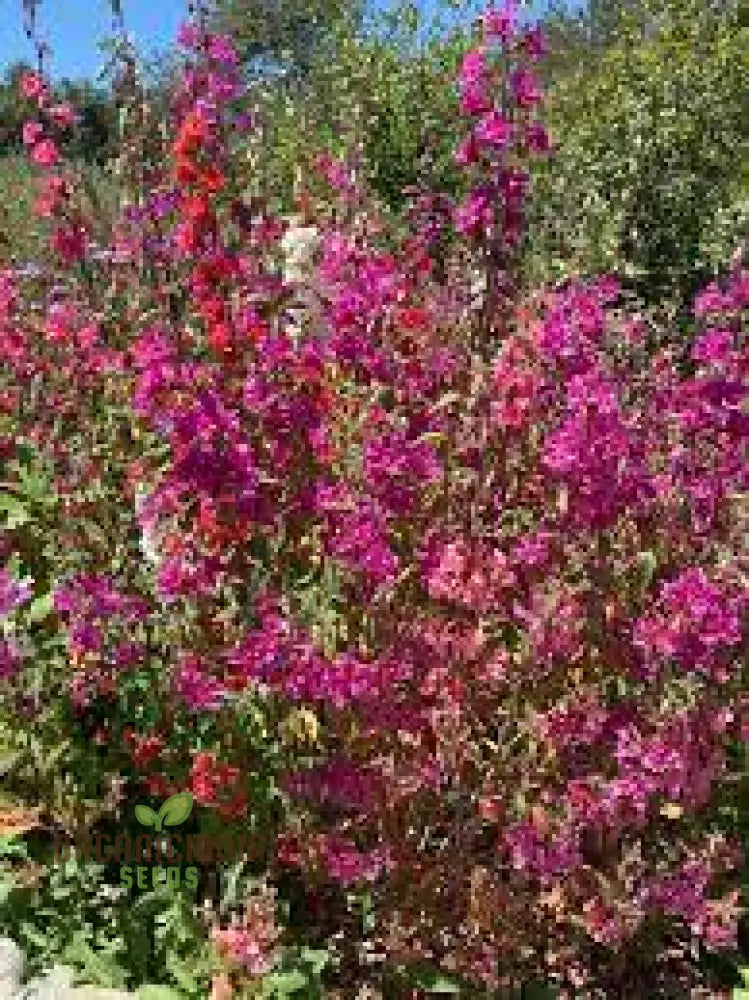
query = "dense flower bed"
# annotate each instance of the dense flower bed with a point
(454, 608)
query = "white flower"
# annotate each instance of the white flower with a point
(298, 245)
(150, 536)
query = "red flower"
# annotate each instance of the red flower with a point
(187, 237)
(211, 179)
(156, 785)
(197, 209)
(236, 807)
(146, 749)
(192, 134)
(213, 310)
(413, 318)
(208, 778)
(227, 774)
(204, 789)
(70, 243)
(220, 338)
(288, 851)
(186, 171)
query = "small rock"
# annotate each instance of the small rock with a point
(11, 968)
(53, 986)
(58, 985)
(98, 993)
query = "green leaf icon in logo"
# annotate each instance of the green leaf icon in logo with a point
(145, 815)
(174, 811)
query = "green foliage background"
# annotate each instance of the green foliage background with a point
(650, 175)
(646, 106)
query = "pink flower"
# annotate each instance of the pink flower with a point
(62, 115)
(684, 894)
(539, 854)
(222, 50)
(10, 659)
(62, 318)
(128, 654)
(32, 85)
(494, 130)
(45, 153)
(198, 689)
(467, 152)
(525, 88)
(253, 943)
(474, 99)
(537, 138)
(12, 593)
(341, 782)
(242, 947)
(533, 551)
(516, 387)
(85, 638)
(95, 595)
(694, 623)
(32, 133)
(347, 865)
(500, 23)
(477, 577)
(553, 624)
(713, 347)
(534, 43)
(88, 336)
(474, 214)
(70, 242)
(188, 36)
(53, 191)
(513, 184)
(605, 924)
(397, 467)
(473, 68)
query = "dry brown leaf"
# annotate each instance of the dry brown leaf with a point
(221, 987)
(17, 820)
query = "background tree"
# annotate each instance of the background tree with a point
(12, 112)
(650, 162)
(283, 33)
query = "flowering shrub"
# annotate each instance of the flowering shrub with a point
(501, 587)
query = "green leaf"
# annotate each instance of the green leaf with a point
(435, 982)
(175, 810)
(540, 991)
(15, 511)
(648, 564)
(190, 973)
(40, 608)
(317, 958)
(13, 847)
(284, 984)
(97, 968)
(145, 815)
(159, 993)
(34, 485)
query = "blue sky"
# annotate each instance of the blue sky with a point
(73, 27)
